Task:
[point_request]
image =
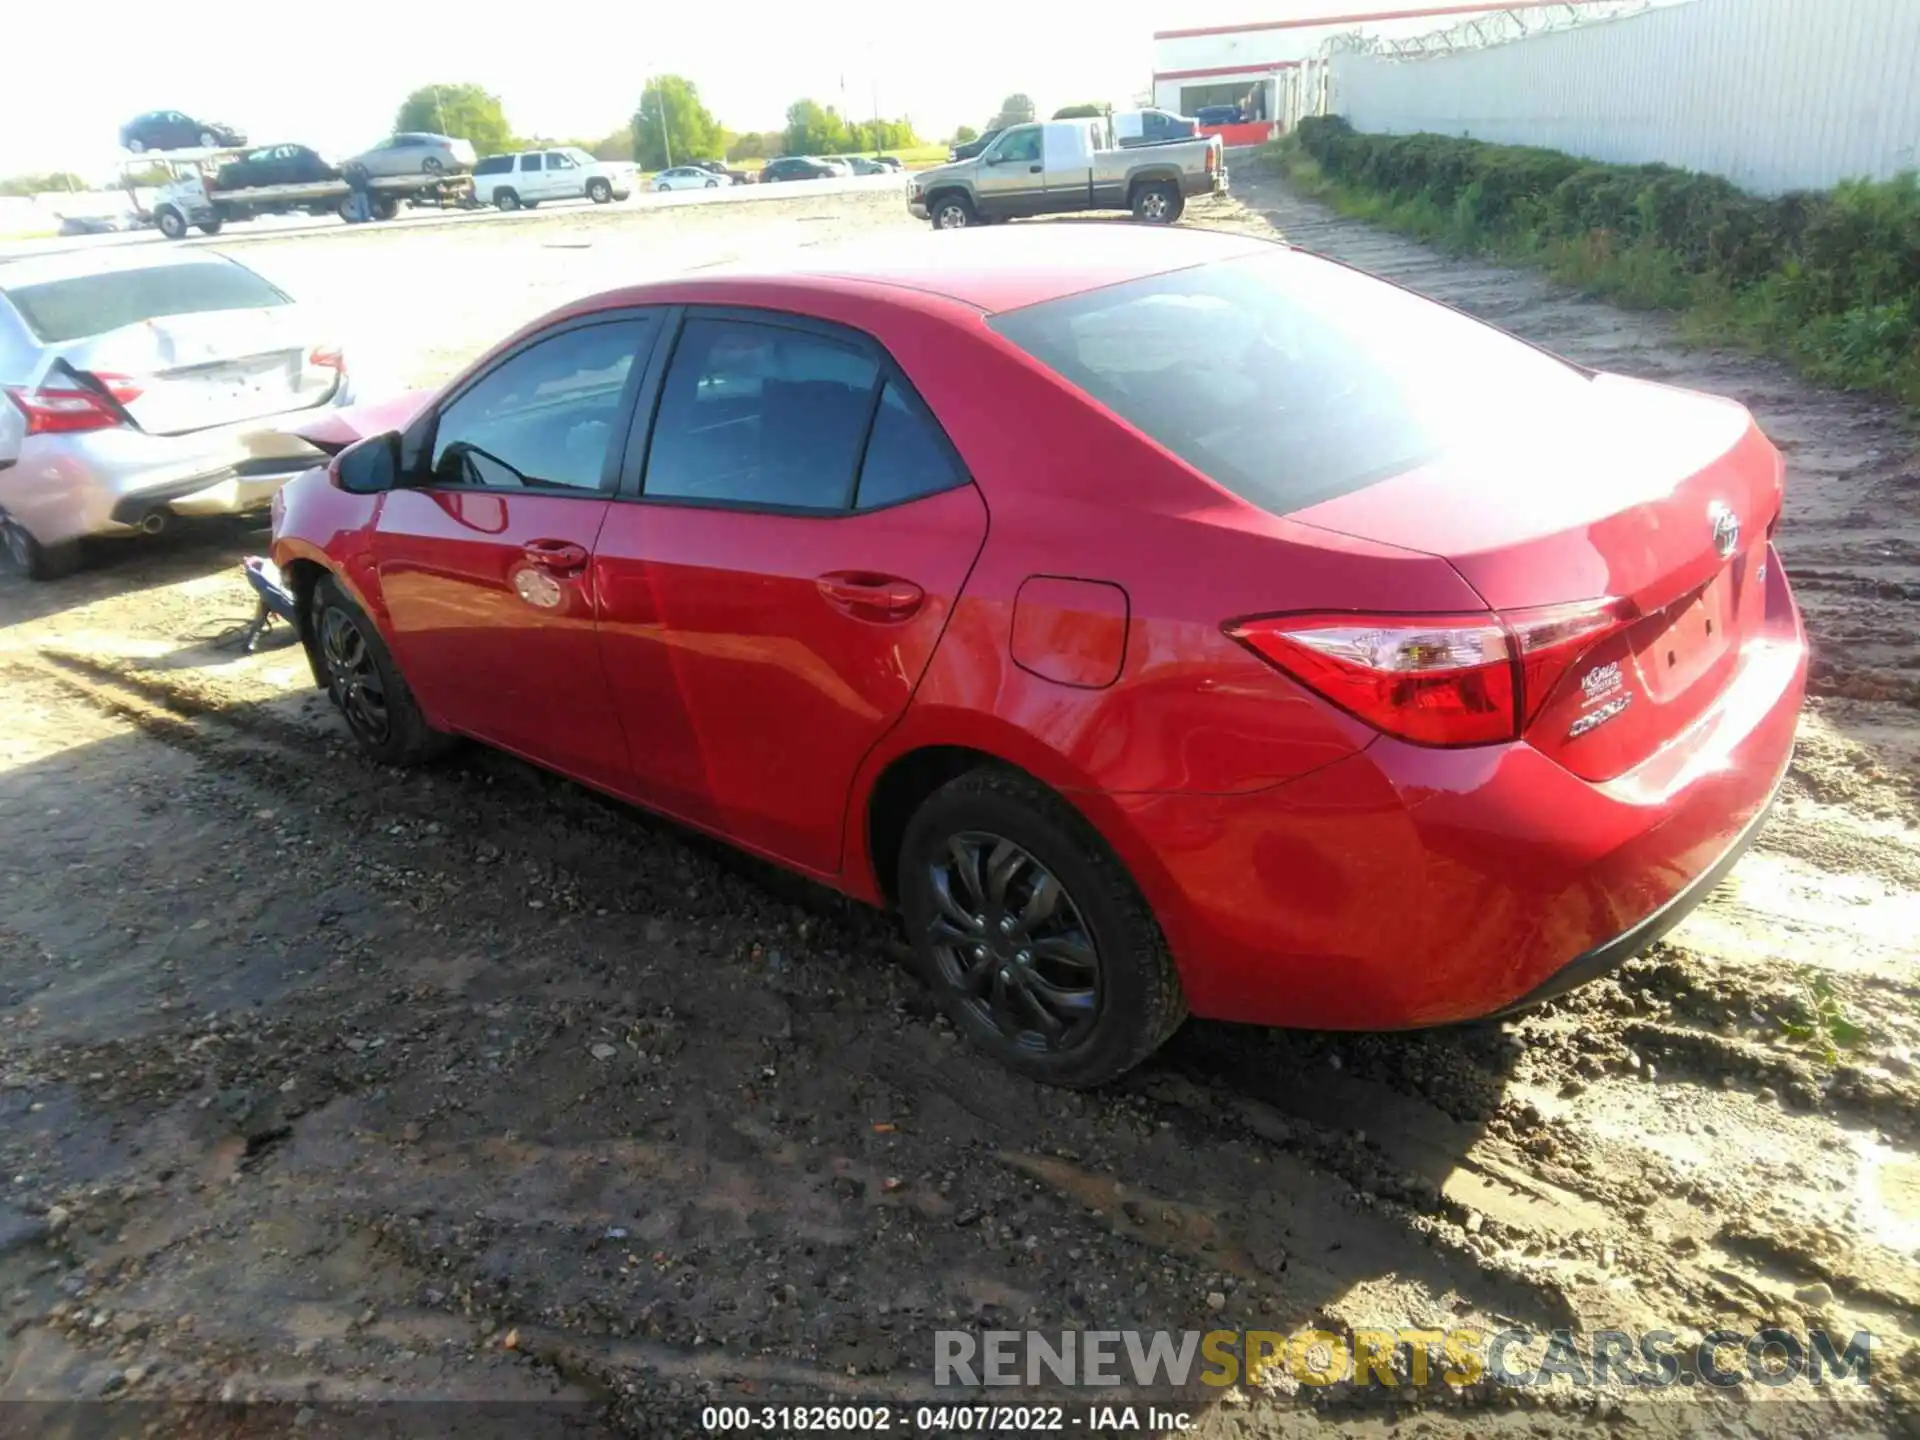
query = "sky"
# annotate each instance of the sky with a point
(332, 77)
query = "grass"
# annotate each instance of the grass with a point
(1829, 281)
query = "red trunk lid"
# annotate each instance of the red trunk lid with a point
(1651, 496)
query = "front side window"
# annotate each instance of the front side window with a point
(544, 418)
(1021, 144)
(754, 414)
(557, 161)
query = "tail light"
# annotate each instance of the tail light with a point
(72, 409)
(328, 357)
(1213, 158)
(1446, 680)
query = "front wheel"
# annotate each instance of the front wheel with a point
(432, 165)
(366, 685)
(1157, 203)
(952, 212)
(713, 184)
(1031, 935)
(208, 140)
(170, 222)
(137, 147)
(599, 191)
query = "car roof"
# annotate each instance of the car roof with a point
(75, 264)
(1005, 267)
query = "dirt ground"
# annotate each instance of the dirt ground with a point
(322, 1082)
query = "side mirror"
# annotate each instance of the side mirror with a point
(993, 159)
(370, 466)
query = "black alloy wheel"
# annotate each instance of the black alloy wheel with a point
(354, 678)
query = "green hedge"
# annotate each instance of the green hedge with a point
(1830, 278)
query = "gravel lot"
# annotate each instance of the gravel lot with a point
(322, 1082)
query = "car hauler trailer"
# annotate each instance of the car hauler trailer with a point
(192, 200)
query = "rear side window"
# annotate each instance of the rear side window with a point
(71, 309)
(494, 165)
(907, 456)
(1290, 380)
(529, 162)
(760, 415)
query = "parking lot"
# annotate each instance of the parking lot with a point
(320, 1080)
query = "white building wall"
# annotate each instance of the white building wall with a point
(1775, 95)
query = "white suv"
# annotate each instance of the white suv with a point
(569, 173)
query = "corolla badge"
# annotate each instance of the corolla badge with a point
(1598, 716)
(1726, 529)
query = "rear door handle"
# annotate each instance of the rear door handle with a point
(867, 596)
(561, 557)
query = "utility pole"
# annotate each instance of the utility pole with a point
(666, 136)
(873, 69)
(439, 109)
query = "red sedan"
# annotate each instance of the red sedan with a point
(1162, 621)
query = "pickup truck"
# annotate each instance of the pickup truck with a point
(1061, 166)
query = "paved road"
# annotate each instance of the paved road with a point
(275, 227)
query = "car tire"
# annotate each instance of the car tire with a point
(662, 188)
(209, 227)
(952, 212)
(1096, 928)
(599, 191)
(28, 557)
(431, 165)
(136, 147)
(209, 140)
(1156, 203)
(506, 198)
(170, 222)
(384, 207)
(713, 184)
(365, 684)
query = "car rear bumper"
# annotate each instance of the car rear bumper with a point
(106, 482)
(1405, 886)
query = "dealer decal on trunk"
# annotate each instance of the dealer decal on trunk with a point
(1601, 691)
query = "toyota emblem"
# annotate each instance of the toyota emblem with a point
(1726, 529)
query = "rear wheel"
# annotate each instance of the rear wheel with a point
(432, 165)
(506, 198)
(385, 207)
(1030, 933)
(1156, 203)
(952, 212)
(713, 184)
(208, 140)
(209, 227)
(366, 685)
(30, 558)
(137, 147)
(599, 191)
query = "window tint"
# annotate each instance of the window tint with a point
(906, 454)
(494, 165)
(61, 310)
(543, 419)
(557, 161)
(760, 415)
(529, 162)
(1290, 380)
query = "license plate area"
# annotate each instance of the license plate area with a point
(1675, 648)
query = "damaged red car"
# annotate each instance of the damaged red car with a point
(1163, 622)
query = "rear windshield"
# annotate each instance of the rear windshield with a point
(1291, 380)
(60, 310)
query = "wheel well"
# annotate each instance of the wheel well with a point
(1140, 182)
(952, 192)
(901, 789)
(301, 576)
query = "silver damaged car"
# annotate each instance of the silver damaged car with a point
(138, 385)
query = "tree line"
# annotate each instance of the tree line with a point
(670, 125)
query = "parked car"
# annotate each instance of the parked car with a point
(275, 165)
(171, 130)
(799, 167)
(974, 146)
(891, 162)
(859, 164)
(686, 177)
(529, 177)
(412, 153)
(1057, 167)
(1279, 690)
(714, 167)
(1152, 127)
(1219, 115)
(145, 384)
